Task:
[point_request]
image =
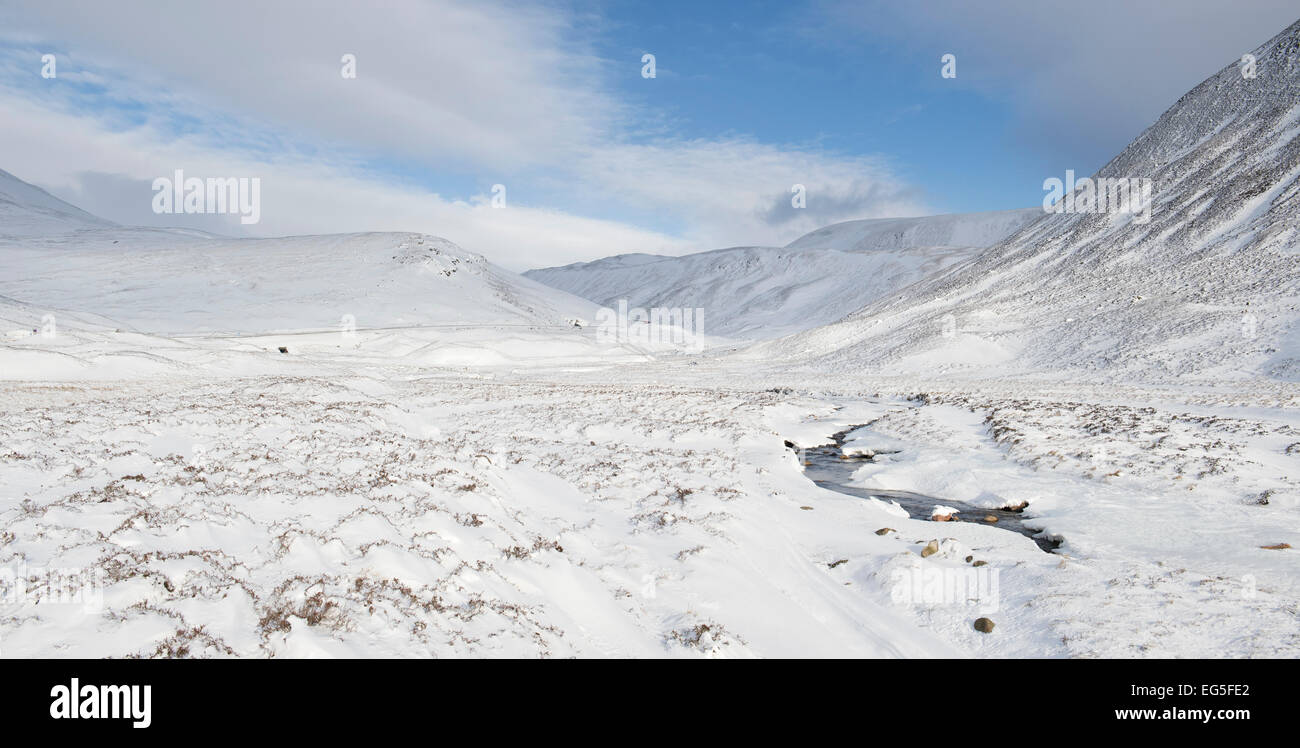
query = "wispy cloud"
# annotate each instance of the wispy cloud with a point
(1084, 77)
(450, 98)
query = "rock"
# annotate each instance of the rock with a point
(1278, 547)
(984, 625)
(980, 563)
(884, 531)
(990, 518)
(806, 508)
(284, 349)
(941, 513)
(833, 564)
(969, 559)
(930, 549)
(1015, 507)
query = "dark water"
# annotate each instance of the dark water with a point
(828, 469)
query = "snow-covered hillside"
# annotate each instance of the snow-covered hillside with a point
(82, 298)
(176, 281)
(27, 210)
(179, 282)
(764, 292)
(752, 292)
(1207, 287)
(949, 230)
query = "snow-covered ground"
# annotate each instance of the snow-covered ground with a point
(641, 509)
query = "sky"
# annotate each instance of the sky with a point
(551, 101)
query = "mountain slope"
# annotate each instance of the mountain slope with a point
(177, 281)
(950, 230)
(764, 292)
(1207, 288)
(751, 292)
(27, 210)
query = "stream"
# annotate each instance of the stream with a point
(827, 467)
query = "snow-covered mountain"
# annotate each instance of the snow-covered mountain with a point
(182, 281)
(764, 292)
(950, 230)
(27, 210)
(752, 292)
(1208, 287)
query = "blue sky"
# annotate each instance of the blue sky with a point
(547, 98)
(727, 67)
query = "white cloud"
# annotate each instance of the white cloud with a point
(739, 191)
(70, 155)
(498, 84)
(1079, 73)
(497, 91)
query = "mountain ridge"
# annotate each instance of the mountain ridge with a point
(764, 292)
(1207, 288)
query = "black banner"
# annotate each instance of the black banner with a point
(1034, 699)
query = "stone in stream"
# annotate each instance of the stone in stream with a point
(942, 513)
(990, 518)
(930, 549)
(984, 625)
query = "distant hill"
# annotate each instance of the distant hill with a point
(766, 292)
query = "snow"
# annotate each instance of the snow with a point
(354, 501)
(178, 283)
(942, 511)
(315, 521)
(765, 292)
(27, 210)
(893, 234)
